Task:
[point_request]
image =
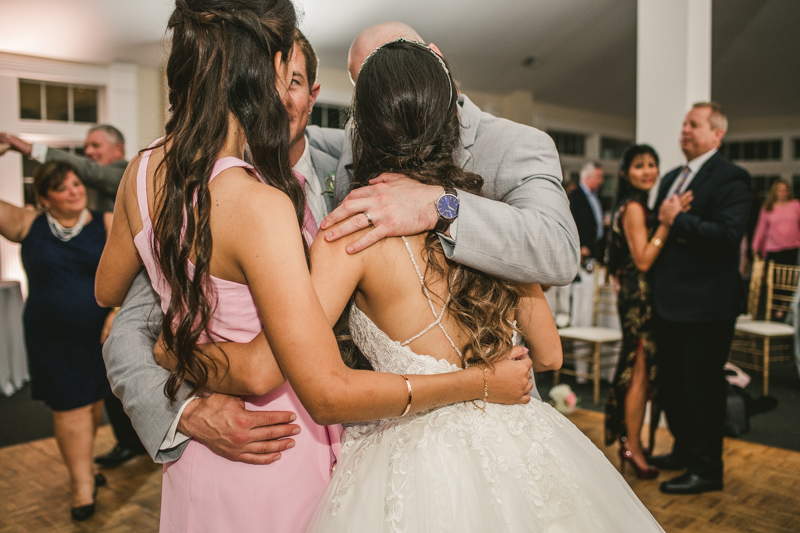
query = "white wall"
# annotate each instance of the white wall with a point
(130, 98)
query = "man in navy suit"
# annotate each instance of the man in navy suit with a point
(587, 211)
(697, 293)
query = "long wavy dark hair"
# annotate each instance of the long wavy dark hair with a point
(405, 115)
(221, 67)
(615, 257)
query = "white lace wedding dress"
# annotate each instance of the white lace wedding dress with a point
(512, 468)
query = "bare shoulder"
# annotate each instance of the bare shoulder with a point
(324, 251)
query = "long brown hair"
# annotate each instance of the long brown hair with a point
(405, 115)
(772, 197)
(221, 64)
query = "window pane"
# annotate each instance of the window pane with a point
(777, 150)
(29, 166)
(56, 101)
(30, 100)
(762, 150)
(734, 150)
(797, 148)
(85, 104)
(316, 116)
(333, 117)
(749, 151)
(611, 148)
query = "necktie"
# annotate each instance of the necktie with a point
(682, 180)
(309, 224)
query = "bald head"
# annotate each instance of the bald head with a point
(373, 37)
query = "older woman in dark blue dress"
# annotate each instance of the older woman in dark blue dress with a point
(61, 248)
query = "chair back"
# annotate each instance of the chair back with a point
(756, 280)
(781, 287)
(605, 295)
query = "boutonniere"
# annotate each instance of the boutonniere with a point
(330, 179)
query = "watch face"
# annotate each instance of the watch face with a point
(447, 206)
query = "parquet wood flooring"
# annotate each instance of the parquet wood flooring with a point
(762, 490)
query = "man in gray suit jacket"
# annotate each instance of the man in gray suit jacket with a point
(522, 230)
(100, 170)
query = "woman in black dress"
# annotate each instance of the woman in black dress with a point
(61, 248)
(634, 245)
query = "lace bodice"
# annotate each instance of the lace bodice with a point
(386, 355)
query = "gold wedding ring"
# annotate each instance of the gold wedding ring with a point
(369, 219)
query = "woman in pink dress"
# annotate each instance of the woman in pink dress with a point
(777, 235)
(227, 256)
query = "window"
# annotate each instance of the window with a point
(762, 150)
(57, 102)
(329, 116)
(762, 184)
(797, 148)
(611, 148)
(569, 143)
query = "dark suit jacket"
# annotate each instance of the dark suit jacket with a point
(696, 277)
(584, 218)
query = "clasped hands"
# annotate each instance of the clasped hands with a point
(674, 205)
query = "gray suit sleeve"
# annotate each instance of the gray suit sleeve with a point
(529, 236)
(135, 377)
(329, 140)
(102, 178)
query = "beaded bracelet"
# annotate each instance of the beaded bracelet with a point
(485, 389)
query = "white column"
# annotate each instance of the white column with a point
(10, 178)
(673, 71)
(123, 103)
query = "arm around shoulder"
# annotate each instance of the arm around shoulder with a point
(525, 232)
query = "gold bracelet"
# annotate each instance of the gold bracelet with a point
(658, 243)
(485, 389)
(408, 406)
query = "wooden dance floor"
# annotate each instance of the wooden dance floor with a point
(762, 490)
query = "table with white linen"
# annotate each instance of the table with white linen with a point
(13, 359)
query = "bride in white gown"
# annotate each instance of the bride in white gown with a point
(468, 467)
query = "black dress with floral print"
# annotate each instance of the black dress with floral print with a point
(635, 304)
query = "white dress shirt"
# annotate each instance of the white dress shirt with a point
(313, 187)
(694, 165)
(597, 208)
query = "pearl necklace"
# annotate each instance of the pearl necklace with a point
(66, 234)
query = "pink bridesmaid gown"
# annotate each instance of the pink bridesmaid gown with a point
(205, 493)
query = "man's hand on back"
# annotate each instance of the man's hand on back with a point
(397, 205)
(222, 423)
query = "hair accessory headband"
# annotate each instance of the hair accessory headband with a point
(421, 45)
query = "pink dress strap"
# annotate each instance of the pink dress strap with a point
(141, 184)
(229, 162)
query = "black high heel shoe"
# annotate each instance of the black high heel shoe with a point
(84, 512)
(625, 455)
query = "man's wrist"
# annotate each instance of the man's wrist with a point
(185, 417)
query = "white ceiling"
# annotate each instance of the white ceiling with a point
(584, 50)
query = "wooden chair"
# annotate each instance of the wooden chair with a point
(756, 339)
(604, 302)
(754, 291)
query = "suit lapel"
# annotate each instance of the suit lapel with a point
(323, 165)
(470, 116)
(666, 183)
(704, 172)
